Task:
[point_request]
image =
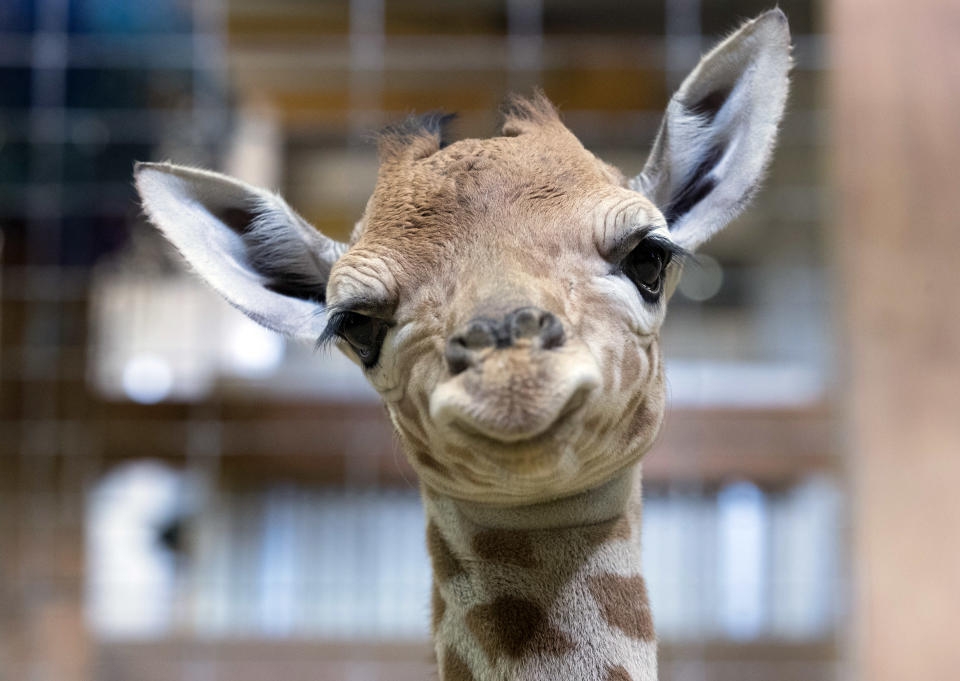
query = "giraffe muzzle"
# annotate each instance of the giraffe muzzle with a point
(519, 381)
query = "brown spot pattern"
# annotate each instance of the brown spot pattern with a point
(592, 424)
(643, 419)
(624, 604)
(445, 563)
(629, 369)
(618, 673)
(609, 369)
(505, 546)
(515, 627)
(455, 668)
(438, 607)
(601, 533)
(408, 411)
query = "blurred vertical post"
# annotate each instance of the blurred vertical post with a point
(367, 38)
(683, 36)
(896, 98)
(525, 43)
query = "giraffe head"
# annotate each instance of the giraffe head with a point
(505, 295)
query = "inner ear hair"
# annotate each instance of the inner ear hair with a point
(273, 250)
(708, 106)
(698, 184)
(288, 265)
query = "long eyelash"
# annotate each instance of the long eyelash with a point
(675, 251)
(336, 318)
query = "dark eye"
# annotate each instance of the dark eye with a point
(364, 334)
(645, 266)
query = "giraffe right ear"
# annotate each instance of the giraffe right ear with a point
(247, 243)
(717, 136)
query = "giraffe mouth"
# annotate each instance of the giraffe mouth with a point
(514, 401)
(478, 430)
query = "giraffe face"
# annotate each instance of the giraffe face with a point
(505, 297)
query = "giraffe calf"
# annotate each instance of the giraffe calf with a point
(505, 297)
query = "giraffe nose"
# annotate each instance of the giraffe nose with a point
(526, 324)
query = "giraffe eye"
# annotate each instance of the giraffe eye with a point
(645, 267)
(362, 333)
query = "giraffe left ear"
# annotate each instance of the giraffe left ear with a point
(717, 136)
(246, 242)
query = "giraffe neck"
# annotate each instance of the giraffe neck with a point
(545, 592)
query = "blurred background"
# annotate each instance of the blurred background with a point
(186, 497)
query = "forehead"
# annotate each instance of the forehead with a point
(521, 199)
(478, 185)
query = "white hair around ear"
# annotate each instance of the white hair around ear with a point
(246, 242)
(717, 135)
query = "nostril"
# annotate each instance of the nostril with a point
(462, 348)
(478, 335)
(534, 323)
(457, 355)
(525, 322)
(551, 331)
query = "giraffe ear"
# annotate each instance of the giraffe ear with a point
(717, 136)
(247, 243)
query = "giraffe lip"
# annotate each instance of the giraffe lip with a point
(492, 435)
